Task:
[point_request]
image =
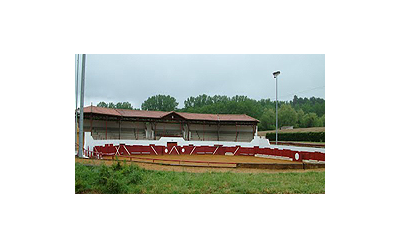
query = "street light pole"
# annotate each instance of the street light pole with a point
(76, 96)
(80, 152)
(275, 74)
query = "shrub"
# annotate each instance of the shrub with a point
(115, 179)
(133, 174)
(116, 166)
(298, 136)
(115, 185)
(79, 186)
(104, 175)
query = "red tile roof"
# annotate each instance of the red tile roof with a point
(160, 114)
(139, 114)
(101, 110)
(217, 117)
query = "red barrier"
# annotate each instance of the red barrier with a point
(297, 156)
(244, 151)
(173, 149)
(179, 161)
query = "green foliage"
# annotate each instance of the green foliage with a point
(322, 121)
(124, 105)
(310, 120)
(316, 105)
(300, 112)
(111, 105)
(289, 112)
(116, 166)
(267, 120)
(169, 182)
(160, 103)
(300, 116)
(119, 105)
(102, 104)
(223, 105)
(115, 185)
(134, 174)
(287, 116)
(108, 180)
(298, 136)
(79, 186)
(104, 175)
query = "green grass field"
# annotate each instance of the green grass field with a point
(136, 180)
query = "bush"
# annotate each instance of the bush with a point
(104, 174)
(115, 185)
(115, 179)
(133, 174)
(116, 166)
(79, 186)
(298, 136)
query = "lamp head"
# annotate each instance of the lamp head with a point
(276, 73)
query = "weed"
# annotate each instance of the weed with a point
(133, 179)
(116, 166)
(115, 185)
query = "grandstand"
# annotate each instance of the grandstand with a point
(119, 124)
(134, 132)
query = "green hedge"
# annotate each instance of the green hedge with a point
(298, 136)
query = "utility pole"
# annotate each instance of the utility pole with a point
(76, 96)
(80, 152)
(275, 74)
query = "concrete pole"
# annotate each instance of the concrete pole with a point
(76, 96)
(80, 152)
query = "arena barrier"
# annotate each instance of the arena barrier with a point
(134, 150)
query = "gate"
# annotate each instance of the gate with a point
(172, 148)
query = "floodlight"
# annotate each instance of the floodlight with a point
(276, 73)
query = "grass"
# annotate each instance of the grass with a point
(133, 179)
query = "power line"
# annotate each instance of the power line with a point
(279, 97)
(302, 91)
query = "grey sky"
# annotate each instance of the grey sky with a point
(134, 78)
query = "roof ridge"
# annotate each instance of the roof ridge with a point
(133, 110)
(159, 114)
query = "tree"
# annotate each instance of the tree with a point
(287, 116)
(300, 117)
(124, 105)
(267, 120)
(295, 100)
(119, 105)
(102, 104)
(111, 105)
(310, 120)
(322, 121)
(160, 103)
(300, 112)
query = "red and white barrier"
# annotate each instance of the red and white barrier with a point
(122, 149)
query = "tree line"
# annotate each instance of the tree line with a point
(299, 112)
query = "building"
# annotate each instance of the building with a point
(120, 124)
(133, 132)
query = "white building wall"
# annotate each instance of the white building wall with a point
(261, 142)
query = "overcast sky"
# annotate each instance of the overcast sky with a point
(134, 78)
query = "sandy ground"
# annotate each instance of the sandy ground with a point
(203, 160)
(214, 158)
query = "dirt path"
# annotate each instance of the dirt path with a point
(200, 169)
(219, 160)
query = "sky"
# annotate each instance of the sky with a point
(134, 78)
